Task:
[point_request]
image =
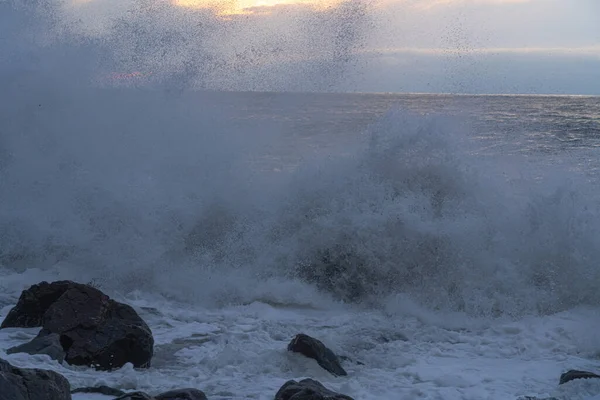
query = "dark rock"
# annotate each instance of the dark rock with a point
(573, 374)
(315, 349)
(94, 330)
(182, 394)
(32, 384)
(178, 394)
(536, 398)
(135, 396)
(307, 389)
(44, 343)
(105, 390)
(33, 304)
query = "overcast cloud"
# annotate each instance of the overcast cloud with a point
(461, 46)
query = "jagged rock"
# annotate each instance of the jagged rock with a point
(31, 384)
(315, 349)
(178, 394)
(574, 374)
(182, 394)
(105, 390)
(94, 330)
(307, 389)
(44, 343)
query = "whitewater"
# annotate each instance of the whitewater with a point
(447, 245)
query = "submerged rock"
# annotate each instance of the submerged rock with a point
(93, 329)
(307, 389)
(44, 343)
(315, 349)
(32, 384)
(574, 374)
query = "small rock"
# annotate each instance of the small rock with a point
(307, 389)
(178, 394)
(105, 390)
(44, 343)
(32, 384)
(135, 396)
(536, 398)
(182, 394)
(574, 374)
(315, 349)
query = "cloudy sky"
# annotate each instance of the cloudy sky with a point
(459, 46)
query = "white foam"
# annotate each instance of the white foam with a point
(240, 353)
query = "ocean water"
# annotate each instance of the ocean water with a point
(447, 243)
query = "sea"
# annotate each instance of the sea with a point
(448, 245)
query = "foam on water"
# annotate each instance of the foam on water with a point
(486, 264)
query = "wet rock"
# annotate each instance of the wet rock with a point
(536, 398)
(307, 389)
(33, 304)
(44, 343)
(32, 384)
(93, 329)
(574, 374)
(105, 390)
(135, 396)
(315, 349)
(182, 394)
(178, 394)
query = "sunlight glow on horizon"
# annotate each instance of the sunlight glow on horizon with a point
(240, 7)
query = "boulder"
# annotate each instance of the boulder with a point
(307, 389)
(44, 343)
(574, 374)
(32, 384)
(93, 329)
(315, 349)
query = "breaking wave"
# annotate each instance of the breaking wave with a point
(158, 191)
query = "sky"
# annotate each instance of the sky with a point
(455, 46)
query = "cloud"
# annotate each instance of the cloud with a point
(301, 47)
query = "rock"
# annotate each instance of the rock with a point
(93, 329)
(574, 374)
(33, 304)
(315, 349)
(32, 384)
(182, 394)
(178, 394)
(536, 398)
(135, 396)
(307, 389)
(105, 390)
(44, 343)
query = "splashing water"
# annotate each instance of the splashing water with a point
(146, 189)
